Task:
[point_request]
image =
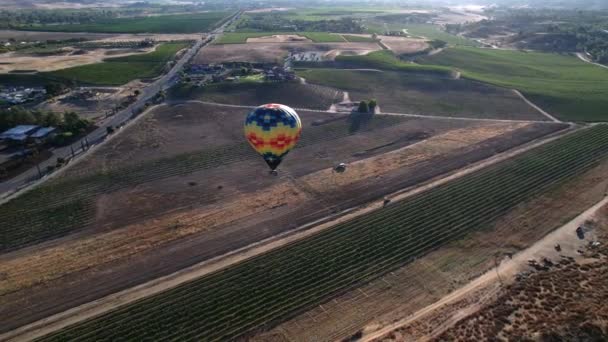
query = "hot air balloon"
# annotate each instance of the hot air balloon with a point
(273, 130)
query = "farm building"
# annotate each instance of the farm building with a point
(43, 134)
(24, 133)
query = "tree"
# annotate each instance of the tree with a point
(54, 89)
(73, 123)
(363, 107)
(372, 105)
(51, 119)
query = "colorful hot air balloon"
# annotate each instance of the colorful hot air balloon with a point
(273, 130)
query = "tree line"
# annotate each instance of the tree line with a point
(274, 22)
(67, 122)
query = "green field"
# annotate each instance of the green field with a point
(562, 85)
(357, 39)
(402, 92)
(267, 289)
(118, 71)
(433, 32)
(178, 23)
(382, 60)
(241, 37)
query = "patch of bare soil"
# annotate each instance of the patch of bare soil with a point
(268, 9)
(563, 301)
(276, 52)
(29, 36)
(279, 38)
(159, 37)
(93, 107)
(402, 45)
(12, 61)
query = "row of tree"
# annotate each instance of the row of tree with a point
(367, 106)
(67, 122)
(274, 22)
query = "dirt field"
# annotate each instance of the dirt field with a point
(402, 293)
(269, 9)
(276, 52)
(168, 220)
(32, 36)
(279, 38)
(93, 108)
(401, 45)
(12, 61)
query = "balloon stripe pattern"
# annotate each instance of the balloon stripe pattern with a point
(273, 130)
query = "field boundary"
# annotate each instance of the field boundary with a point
(422, 116)
(110, 302)
(540, 110)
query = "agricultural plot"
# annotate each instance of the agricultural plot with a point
(401, 92)
(120, 70)
(277, 52)
(383, 60)
(179, 23)
(562, 85)
(51, 59)
(315, 37)
(430, 31)
(182, 185)
(234, 301)
(292, 94)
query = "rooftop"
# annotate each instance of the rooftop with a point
(18, 130)
(43, 132)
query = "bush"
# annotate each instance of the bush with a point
(363, 107)
(372, 105)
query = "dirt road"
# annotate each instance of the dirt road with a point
(540, 110)
(584, 58)
(505, 272)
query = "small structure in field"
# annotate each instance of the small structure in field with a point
(278, 74)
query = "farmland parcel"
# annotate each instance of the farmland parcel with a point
(309, 271)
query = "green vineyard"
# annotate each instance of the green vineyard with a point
(270, 288)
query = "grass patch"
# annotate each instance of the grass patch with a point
(563, 85)
(178, 23)
(434, 32)
(358, 39)
(241, 37)
(401, 92)
(386, 60)
(117, 71)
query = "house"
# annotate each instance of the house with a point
(18, 133)
(27, 133)
(43, 134)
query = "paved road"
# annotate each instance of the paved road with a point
(162, 83)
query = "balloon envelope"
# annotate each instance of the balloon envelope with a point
(273, 130)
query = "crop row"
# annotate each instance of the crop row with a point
(63, 206)
(265, 290)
